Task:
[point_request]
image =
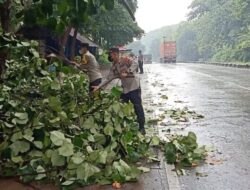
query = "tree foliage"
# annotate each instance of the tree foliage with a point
(221, 29)
(114, 27)
(54, 14)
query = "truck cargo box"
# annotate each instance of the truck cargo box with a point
(168, 52)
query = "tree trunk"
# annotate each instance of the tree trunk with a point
(5, 24)
(64, 40)
(5, 16)
(73, 46)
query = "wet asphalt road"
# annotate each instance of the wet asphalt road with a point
(222, 95)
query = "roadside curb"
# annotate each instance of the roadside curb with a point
(172, 178)
(244, 66)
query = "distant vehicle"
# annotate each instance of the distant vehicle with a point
(147, 58)
(168, 52)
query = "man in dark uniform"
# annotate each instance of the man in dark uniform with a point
(140, 61)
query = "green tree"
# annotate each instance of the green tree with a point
(116, 22)
(187, 47)
(222, 27)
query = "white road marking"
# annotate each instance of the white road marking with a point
(240, 86)
(210, 76)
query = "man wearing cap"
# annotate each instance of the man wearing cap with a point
(125, 69)
(89, 63)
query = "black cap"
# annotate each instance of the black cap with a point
(85, 45)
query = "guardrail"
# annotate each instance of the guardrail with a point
(237, 65)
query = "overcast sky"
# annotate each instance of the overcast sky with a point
(153, 14)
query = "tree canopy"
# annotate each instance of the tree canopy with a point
(98, 18)
(116, 22)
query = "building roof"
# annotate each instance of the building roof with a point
(123, 48)
(83, 38)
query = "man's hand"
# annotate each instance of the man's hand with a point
(74, 63)
(95, 88)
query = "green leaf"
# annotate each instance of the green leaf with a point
(16, 136)
(116, 91)
(63, 115)
(56, 159)
(118, 128)
(67, 149)
(55, 104)
(100, 139)
(22, 116)
(170, 153)
(154, 159)
(45, 73)
(89, 123)
(55, 85)
(89, 149)
(41, 174)
(19, 121)
(94, 156)
(19, 146)
(103, 157)
(108, 130)
(28, 135)
(116, 107)
(25, 44)
(8, 125)
(57, 138)
(86, 170)
(91, 138)
(77, 159)
(155, 141)
(26, 171)
(34, 52)
(164, 97)
(17, 159)
(55, 120)
(127, 138)
(104, 181)
(35, 153)
(67, 183)
(192, 136)
(124, 165)
(77, 141)
(13, 103)
(38, 144)
(180, 146)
